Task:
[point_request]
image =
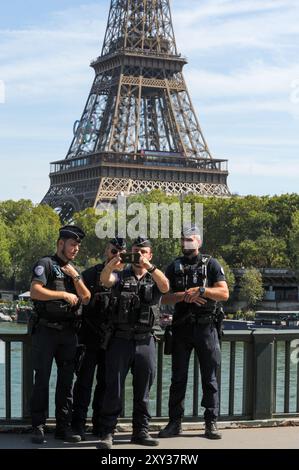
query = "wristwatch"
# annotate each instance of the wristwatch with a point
(77, 278)
(202, 291)
(152, 269)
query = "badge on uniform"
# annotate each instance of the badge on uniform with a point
(58, 273)
(39, 270)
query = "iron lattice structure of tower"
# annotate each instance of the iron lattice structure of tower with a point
(139, 130)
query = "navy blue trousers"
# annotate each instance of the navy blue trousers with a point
(204, 339)
(123, 355)
(49, 344)
(94, 361)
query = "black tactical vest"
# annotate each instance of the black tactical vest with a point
(57, 310)
(187, 276)
(97, 309)
(132, 305)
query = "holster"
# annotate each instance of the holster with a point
(168, 340)
(80, 353)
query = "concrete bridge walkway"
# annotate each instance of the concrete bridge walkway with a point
(253, 438)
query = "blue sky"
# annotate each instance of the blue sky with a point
(243, 76)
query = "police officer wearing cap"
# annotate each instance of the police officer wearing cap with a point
(57, 290)
(136, 294)
(197, 283)
(94, 332)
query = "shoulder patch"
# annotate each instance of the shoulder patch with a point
(39, 270)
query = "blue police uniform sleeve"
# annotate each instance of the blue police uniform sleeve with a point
(88, 277)
(169, 273)
(215, 272)
(40, 271)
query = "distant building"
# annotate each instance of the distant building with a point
(281, 289)
(8, 295)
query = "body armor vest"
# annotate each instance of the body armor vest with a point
(132, 303)
(99, 303)
(58, 310)
(187, 276)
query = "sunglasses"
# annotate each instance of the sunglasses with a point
(114, 251)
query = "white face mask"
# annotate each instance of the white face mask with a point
(190, 245)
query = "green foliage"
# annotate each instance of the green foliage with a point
(252, 287)
(251, 231)
(294, 240)
(92, 248)
(247, 315)
(35, 235)
(5, 258)
(230, 277)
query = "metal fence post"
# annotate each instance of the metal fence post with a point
(263, 405)
(27, 376)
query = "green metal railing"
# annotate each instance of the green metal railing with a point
(258, 378)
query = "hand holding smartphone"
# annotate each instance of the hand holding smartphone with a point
(132, 258)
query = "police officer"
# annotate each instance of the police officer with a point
(57, 291)
(136, 293)
(93, 334)
(197, 283)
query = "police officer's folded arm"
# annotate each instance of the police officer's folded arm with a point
(218, 292)
(172, 298)
(39, 292)
(81, 289)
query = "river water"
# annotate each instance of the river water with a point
(16, 368)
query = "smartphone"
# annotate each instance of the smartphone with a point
(133, 258)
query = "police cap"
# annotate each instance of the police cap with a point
(72, 231)
(142, 242)
(119, 243)
(190, 230)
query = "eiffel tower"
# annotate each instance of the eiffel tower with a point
(139, 130)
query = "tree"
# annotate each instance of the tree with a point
(5, 259)
(294, 240)
(34, 234)
(230, 277)
(92, 248)
(10, 210)
(252, 290)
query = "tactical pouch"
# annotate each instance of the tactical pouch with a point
(32, 323)
(145, 316)
(56, 306)
(146, 293)
(155, 315)
(168, 340)
(124, 307)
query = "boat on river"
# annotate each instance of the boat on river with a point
(276, 319)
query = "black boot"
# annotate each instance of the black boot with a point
(173, 428)
(106, 441)
(97, 431)
(67, 434)
(79, 429)
(38, 436)
(143, 438)
(211, 431)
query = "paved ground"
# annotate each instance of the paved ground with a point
(265, 438)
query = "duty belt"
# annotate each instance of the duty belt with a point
(55, 325)
(131, 334)
(202, 320)
(194, 319)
